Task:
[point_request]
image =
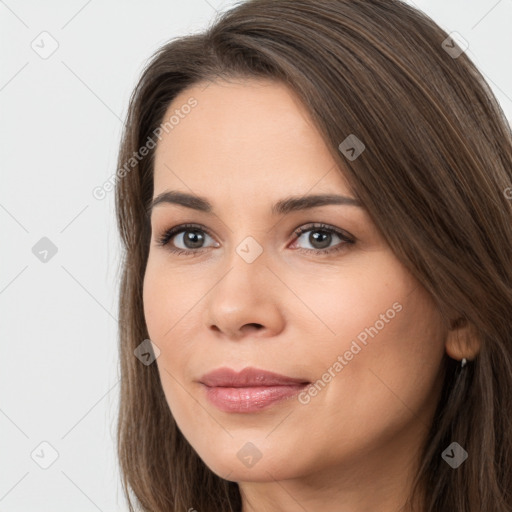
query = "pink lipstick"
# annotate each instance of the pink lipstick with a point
(250, 390)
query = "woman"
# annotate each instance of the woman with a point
(317, 280)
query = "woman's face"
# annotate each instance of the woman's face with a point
(245, 291)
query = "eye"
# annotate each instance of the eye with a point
(191, 241)
(321, 237)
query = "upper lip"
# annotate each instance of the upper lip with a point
(248, 377)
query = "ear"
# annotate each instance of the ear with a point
(462, 341)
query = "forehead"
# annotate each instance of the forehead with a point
(253, 135)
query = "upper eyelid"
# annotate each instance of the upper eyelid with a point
(304, 227)
(178, 228)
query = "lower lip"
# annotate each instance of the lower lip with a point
(250, 399)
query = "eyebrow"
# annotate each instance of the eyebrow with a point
(289, 204)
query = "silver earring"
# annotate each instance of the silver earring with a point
(463, 362)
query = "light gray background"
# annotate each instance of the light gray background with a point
(60, 123)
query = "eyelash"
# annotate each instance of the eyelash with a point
(164, 239)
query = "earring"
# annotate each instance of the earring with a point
(463, 362)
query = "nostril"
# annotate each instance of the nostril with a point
(257, 326)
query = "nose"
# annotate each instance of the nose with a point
(245, 302)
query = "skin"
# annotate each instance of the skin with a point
(354, 446)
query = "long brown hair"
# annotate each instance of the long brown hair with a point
(434, 177)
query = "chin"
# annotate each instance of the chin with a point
(245, 467)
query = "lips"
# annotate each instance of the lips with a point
(248, 377)
(250, 390)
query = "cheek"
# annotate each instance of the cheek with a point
(168, 295)
(380, 341)
(170, 303)
(347, 301)
(165, 308)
